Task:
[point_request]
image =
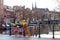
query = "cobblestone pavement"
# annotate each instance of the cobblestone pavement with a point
(7, 37)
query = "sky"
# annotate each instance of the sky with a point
(51, 4)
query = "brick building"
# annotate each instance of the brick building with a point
(1, 11)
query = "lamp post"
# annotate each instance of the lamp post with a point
(53, 28)
(39, 30)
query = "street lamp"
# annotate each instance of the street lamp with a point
(53, 28)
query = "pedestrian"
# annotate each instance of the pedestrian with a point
(15, 30)
(35, 31)
(0, 29)
(21, 30)
(4, 29)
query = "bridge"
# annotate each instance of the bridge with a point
(45, 22)
(3, 37)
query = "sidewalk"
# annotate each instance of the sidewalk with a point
(50, 35)
(43, 37)
(7, 37)
(47, 36)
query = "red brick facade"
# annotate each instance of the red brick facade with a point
(1, 10)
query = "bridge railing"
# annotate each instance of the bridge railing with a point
(41, 26)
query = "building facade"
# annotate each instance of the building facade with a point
(8, 14)
(1, 10)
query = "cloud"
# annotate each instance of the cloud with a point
(28, 3)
